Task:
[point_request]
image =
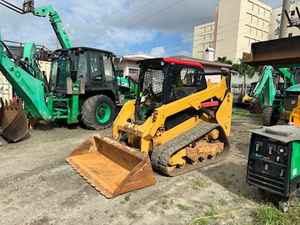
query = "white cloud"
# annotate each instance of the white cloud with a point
(184, 52)
(110, 24)
(158, 51)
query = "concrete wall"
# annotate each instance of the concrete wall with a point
(5, 88)
(275, 25)
(227, 28)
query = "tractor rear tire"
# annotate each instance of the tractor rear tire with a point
(98, 112)
(270, 116)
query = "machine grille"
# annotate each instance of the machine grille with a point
(268, 165)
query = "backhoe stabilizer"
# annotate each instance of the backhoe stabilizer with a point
(112, 168)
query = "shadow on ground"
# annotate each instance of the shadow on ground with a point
(232, 176)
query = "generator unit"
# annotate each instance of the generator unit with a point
(274, 161)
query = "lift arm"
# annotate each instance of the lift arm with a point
(26, 86)
(44, 11)
(56, 22)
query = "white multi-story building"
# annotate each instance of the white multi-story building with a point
(239, 23)
(204, 39)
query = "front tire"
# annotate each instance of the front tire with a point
(98, 112)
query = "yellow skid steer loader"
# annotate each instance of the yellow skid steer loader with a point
(179, 122)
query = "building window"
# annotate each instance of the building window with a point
(251, 6)
(133, 72)
(252, 31)
(248, 30)
(254, 21)
(254, 9)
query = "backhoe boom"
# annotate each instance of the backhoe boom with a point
(56, 23)
(43, 11)
(27, 87)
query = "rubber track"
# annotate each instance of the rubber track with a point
(161, 154)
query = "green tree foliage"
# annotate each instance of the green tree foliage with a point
(242, 68)
(245, 69)
(224, 60)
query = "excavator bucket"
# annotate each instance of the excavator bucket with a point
(112, 168)
(13, 121)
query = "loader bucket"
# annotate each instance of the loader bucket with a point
(112, 168)
(13, 121)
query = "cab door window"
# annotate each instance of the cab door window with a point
(108, 68)
(186, 81)
(95, 66)
(192, 77)
(83, 66)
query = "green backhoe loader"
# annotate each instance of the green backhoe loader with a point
(270, 92)
(83, 84)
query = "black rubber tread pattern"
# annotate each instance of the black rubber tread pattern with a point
(88, 112)
(161, 154)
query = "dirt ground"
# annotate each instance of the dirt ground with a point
(37, 187)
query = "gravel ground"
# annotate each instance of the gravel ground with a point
(37, 186)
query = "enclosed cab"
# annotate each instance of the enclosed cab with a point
(92, 72)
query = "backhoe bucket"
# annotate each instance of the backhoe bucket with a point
(13, 121)
(112, 168)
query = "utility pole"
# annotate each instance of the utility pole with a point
(284, 20)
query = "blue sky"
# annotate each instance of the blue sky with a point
(123, 26)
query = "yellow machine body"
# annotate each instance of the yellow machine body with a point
(295, 115)
(124, 163)
(151, 133)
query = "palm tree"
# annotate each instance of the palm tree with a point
(245, 69)
(224, 60)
